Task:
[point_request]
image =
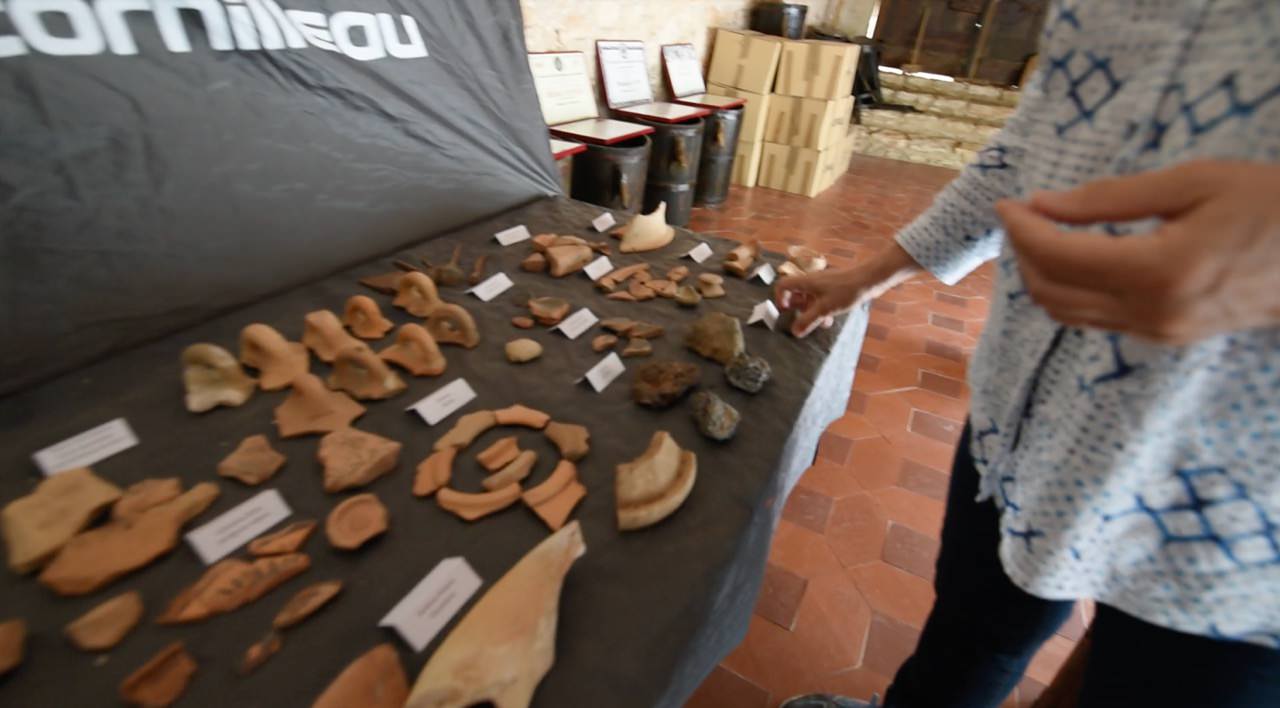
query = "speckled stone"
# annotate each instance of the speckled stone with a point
(748, 373)
(716, 419)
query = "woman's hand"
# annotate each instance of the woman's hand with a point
(819, 297)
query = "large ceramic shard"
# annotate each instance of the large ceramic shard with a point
(451, 324)
(416, 294)
(716, 336)
(554, 499)
(354, 458)
(356, 521)
(213, 377)
(323, 334)
(160, 681)
(434, 472)
(253, 461)
(523, 416)
(37, 525)
(277, 360)
(306, 602)
(140, 496)
(568, 258)
(375, 680)
(359, 372)
(647, 232)
(651, 487)
(468, 428)
(312, 408)
(506, 644)
(104, 626)
(415, 351)
(363, 317)
(96, 557)
(231, 584)
(549, 310)
(13, 644)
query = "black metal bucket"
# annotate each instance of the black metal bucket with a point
(612, 176)
(719, 145)
(673, 168)
(781, 19)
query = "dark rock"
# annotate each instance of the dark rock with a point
(748, 373)
(660, 384)
(716, 419)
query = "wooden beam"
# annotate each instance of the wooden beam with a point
(924, 23)
(984, 34)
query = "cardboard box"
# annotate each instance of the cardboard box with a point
(847, 147)
(797, 170)
(812, 68)
(808, 122)
(746, 163)
(744, 59)
(754, 115)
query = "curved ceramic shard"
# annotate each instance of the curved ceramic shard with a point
(534, 263)
(277, 360)
(647, 232)
(572, 440)
(160, 681)
(451, 324)
(522, 416)
(618, 325)
(549, 310)
(140, 496)
(359, 372)
(375, 680)
(513, 473)
(710, 285)
(104, 626)
(415, 351)
(259, 652)
(809, 260)
(739, 260)
(499, 454)
(554, 499)
(661, 384)
(356, 521)
(38, 525)
(521, 351)
(716, 419)
(98, 556)
(416, 294)
(354, 458)
(568, 258)
(364, 318)
(306, 602)
(313, 408)
(213, 377)
(434, 472)
(651, 487)
(286, 540)
(504, 646)
(253, 461)
(231, 584)
(323, 334)
(13, 644)
(468, 428)
(716, 336)
(688, 296)
(477, 506)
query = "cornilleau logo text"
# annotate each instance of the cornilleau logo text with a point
(86, 27)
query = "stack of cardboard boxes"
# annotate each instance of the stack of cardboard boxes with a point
(796, 139)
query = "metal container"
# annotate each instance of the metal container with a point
(673, 168)
(565, 166)
(612, 176)
(782, 19)
(719, 145)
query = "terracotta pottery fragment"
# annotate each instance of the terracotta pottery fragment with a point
(405, 267)
(520, 351)
(642, 276)
(499, 454)
(600, 247)
(555, 498)
(434, 472)
(549, 310)
(468, 428)
(160, 681)
(363, 316)
(637, 348)
(98, 556)
(748, 373)
(651, 487)
(522, 322)
(415, 351)
(710, 285)
(523, 416)
(621, 295)
(542, 242)
(451, 324)
(38, 525)
(534, 263)
(354, 458)
(664, 288)
(416, 294)
(688, 296)
(603, 342)
(313, 408)
(253, 461)
(13, 644)
(739, 260)
(716, 336)
(568, 259)
(287, 540)
(621, 275)
(647, 232)
(476, 506)
(107, 624)
(306, 602)
(447, 274)
(212, 377)
(140, 496)
(323, 334)
(231, 584)
(572, 440)
(375, 680)
(789, 270)
(259, 652)
(678, 273)
(513, 473)
(716, 419)
(477, 270)
(385, 283)
(278, 361)
(563, 240)
(660, 384)
(640, 291)
(503, 647)
(618, 325)
(364, 375)
(809, 260)
(356, 521)
(645, 330)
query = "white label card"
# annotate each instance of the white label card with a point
(765, 273)
(492, 287)
(765, 312)
(93, 445)
(598, 268)
(603, 374)
(603, 222)
(243, 523)
(515, 234)
(444, 402)
(577, 323)
(699, 253)
(429, 606)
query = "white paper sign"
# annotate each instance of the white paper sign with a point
(93, 445)
(577, 323)
(598, 268)
(429, 606)
(515, 234)
(603, 222)
(492, 287)
(765, 312)
(700, 253)
(243, 523)
(765, 273)
(444, 402)
(603, 374)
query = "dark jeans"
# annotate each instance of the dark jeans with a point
(983, 631)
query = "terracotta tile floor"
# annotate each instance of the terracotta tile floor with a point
(849, 580)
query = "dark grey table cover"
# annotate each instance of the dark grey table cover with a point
(644, 616)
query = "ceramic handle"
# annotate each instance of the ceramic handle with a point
(682, 156)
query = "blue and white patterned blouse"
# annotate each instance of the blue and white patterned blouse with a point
(1144, 476)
